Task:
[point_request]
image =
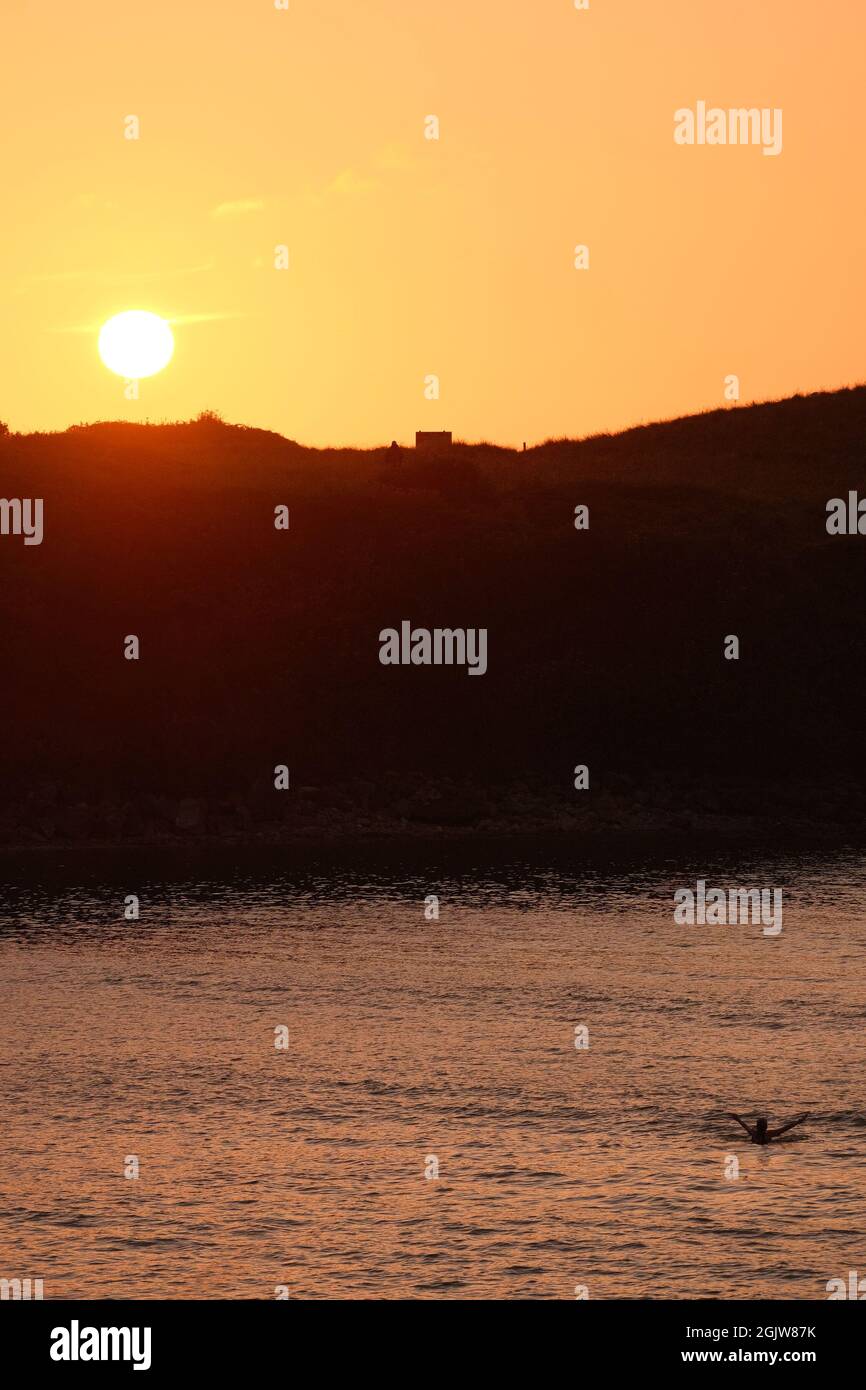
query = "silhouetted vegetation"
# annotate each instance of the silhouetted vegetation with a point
(261, 646)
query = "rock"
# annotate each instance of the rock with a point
(45, 791)
(458, 808)
(133, 824)
(190, 815)
(73, 822)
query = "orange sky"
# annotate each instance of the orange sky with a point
(408, 256)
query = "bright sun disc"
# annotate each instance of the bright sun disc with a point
(136, 344)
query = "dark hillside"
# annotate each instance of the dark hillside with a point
(605, 646)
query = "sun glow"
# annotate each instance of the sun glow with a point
(136, 344)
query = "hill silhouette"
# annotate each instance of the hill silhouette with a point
(260, 647)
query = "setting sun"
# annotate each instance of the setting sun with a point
(136, 344)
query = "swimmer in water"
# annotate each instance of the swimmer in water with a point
(760, 1134)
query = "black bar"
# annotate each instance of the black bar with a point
(646, 1337)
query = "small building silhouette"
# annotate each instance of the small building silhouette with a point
(433, 441)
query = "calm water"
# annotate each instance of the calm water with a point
(411, 1038)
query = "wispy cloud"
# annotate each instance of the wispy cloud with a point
(349, 181)
(176, 320)
(90, 202)
(206, 318)
(225, 212)
(388, 161)
(393, 157)
(111, 277)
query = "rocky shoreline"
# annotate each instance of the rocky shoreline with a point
(54, 816)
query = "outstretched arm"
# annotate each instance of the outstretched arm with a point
(747, 1128)
(774, 1133)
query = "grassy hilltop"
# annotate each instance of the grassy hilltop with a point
(261, 646)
